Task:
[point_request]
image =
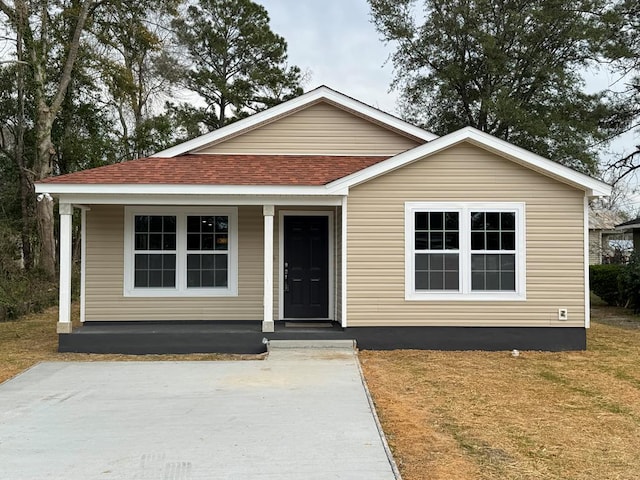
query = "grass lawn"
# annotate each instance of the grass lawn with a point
(470, 415)
(487, 415)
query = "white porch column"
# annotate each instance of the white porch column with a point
(64, 318)
(267, 322)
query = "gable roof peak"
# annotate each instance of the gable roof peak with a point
(286, 108)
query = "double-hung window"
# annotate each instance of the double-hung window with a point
(172, 251)
(464, 251)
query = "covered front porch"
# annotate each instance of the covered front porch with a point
(260, 249)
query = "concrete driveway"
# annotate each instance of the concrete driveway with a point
(300, 414)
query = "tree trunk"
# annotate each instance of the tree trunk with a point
(44, 205)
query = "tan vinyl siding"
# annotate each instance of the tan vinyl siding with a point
(319, 129)
(105, 273)
(554, 242)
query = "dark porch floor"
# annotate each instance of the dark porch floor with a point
(248, 337)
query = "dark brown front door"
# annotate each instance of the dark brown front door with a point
(306, 267)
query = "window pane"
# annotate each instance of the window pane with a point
(193, 224)
(141, 261)
(508, 262)
(142, 241)
(155, 278)
(155, 241)
(477, 221)
(493, 241)
(492, 281)
(508, 221)
(422, 280)
(169, 241)
(220, 262)
(437, 262)
(436, 220)
(207, 241)
(508, 281)
(222, 241)
(451, 280)
(142, 223)
(451, 241)
(169, 278)
(451, 262)
(492, 262)
(492, 221)
(193, 262)
(169, 224)
(477, 262)
(193, 278)
(422, 241)
(451, 221)
(221, 278)
(436, 241)
(207, 278)
(193, 241)
(477, 241)
(436, 281)
(422, 261)
(477, 281)
(207, 262)
(222, 224)
(155, 223)
(155, 262)
(141, 278)
(207, 224)
(422, 220)
(508, 241)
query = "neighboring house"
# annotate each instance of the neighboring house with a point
(631, 228)
(324, 208)
(606, 243)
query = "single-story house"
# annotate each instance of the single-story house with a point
(324, 209)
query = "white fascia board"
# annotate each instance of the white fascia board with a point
(168, 190)
(178, 200)
(524, 157)
(319, 93)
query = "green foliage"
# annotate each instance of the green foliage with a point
(235, 62)
(629, 283)
(21, 291)
(507, 67)
(603, 280)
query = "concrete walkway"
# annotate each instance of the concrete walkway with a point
(301, 414)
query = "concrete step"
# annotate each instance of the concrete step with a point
(310, 344)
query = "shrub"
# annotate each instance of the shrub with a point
(603, 280)
(629, 283)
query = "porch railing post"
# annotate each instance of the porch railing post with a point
(267, 322)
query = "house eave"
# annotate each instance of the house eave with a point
(591, 186)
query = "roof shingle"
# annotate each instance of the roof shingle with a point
(222, 169)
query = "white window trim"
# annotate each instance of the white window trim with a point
(464, 293)
(180, 289)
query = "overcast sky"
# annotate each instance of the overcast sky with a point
(334, 41)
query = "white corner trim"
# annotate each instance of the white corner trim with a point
(181, 289)
(343, 260)
(587, 297)
(465, 293)
(592, 186)
(83, 262)
(320, 93)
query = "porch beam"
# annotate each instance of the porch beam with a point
(267, 322)
(64, 309)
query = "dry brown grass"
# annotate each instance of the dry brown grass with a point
(32, 339)
(487, 415)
